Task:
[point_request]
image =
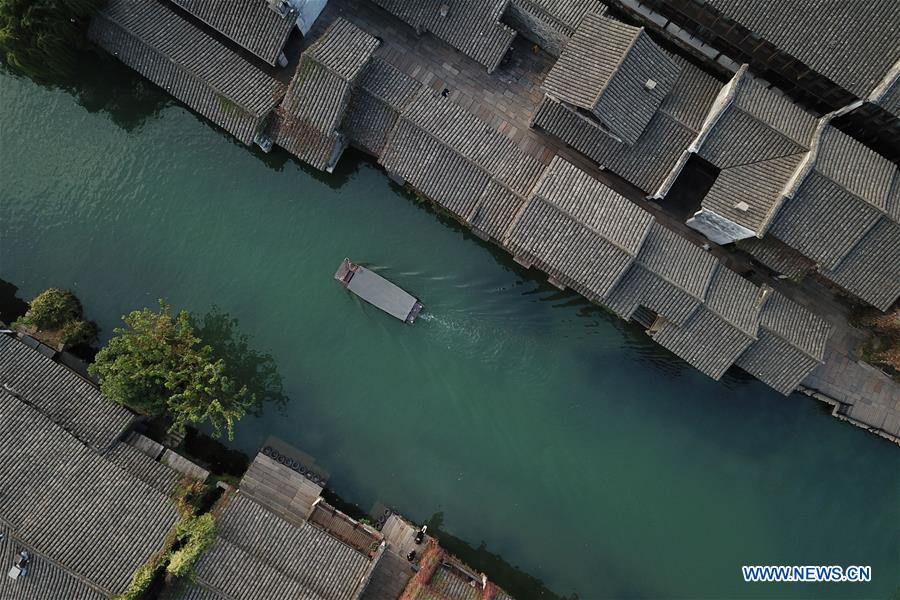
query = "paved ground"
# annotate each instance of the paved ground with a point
(506, 100)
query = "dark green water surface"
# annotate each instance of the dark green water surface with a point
(561, 437)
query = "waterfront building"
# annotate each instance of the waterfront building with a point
(633, 112)
(86, 508)
(189, 64)
(465, 166)
(471, 26)
(830, 54)
(309, 118)
(259, 26)
(785, 174)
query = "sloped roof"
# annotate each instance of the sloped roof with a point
(45, 579)
(581, 232)
(648, 162)
(606, 68)
(670, 275)
(567, 12)
(259, 555)
(716, 334)
(460, 162)
(791, 343)
(852, 43)
(186, 62)
(60, 395)
(58, 499)
(871, 269)
(310, 115)
(471, 26)
(253, 24)
(839, 196)
(381, 94)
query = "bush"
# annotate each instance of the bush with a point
(78, 332)
(52, 309)
(196, 535)
(140, 582)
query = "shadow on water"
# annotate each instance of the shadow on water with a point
(11, 306)
(252, 368)
(101, 84)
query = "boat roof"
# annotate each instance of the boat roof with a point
(377, 290)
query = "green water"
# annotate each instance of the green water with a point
(556, 434)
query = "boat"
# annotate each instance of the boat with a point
(378, 291)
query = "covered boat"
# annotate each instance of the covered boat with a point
(378, 291)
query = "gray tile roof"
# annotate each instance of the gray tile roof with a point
(670, 275)
(63, 397)
(471, 26)
(45, 580)
(606, 69)
(580, 232)
(840, 194)
(256, 25)
(310, 115)
(852, 43)
(381, 94)
(758, 185)
(139, 465)
(791, 343)
(186, 62)
(758, 139)
(716, 334)
(871, 269)
(58, 496)
(258, 555)
(549, 23)
(648, 162)
(457, 160)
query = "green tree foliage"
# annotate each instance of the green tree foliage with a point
(196, 534)
(56, 310)
(43, 38)
(159, 366)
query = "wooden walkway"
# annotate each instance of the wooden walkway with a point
(281, 489)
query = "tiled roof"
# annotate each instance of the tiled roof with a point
(309, 118)
(63, 397)
(616, 72)
(186, 62)
(45, 580)
(381, 94)
(457, 160)
(256, 25)
(471, 26)
(670, 276)
(259, 555)
(59, 495)
(791, 343)
(715, 336)
(580, 232)
(139, 465)
(549, 23)
(871, 269)
(648, 162)
(852, 43)
(840, 195)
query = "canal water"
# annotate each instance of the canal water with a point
(554, 433)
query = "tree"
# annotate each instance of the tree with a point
(159, 366)
(43, 38)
